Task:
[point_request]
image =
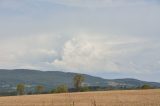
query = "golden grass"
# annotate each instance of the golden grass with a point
(107, 98)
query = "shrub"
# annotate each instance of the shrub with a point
(53, 91)
(84, 89)
(61, 89)
(39, 89)
(146, 86)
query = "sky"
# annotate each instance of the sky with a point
(105, 38)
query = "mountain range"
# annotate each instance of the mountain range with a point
(51, 79)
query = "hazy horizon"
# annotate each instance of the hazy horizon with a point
(107, 38)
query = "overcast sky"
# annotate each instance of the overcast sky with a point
(106, 38)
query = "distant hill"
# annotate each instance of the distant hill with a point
(50, 79)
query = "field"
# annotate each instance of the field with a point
(107, 98)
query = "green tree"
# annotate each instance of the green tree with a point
(61, 89)
(20, 89)
(39, 89)
(146, 86)
(78, 79)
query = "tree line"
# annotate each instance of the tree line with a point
(78, 79)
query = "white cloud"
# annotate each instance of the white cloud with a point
(85, 53)
(32, 51)
(100, 54)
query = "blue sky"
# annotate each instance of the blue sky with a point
(106, 38)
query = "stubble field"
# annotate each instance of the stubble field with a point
(106, 98)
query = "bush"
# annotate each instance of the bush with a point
(39, 89)
(61, 89)
(84, 89)
(146, 87)
(53, 91)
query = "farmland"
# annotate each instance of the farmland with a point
(104, 98)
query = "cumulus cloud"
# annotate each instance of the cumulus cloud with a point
(85, 53)
(99, 54)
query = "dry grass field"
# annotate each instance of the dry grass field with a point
(108, 98)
